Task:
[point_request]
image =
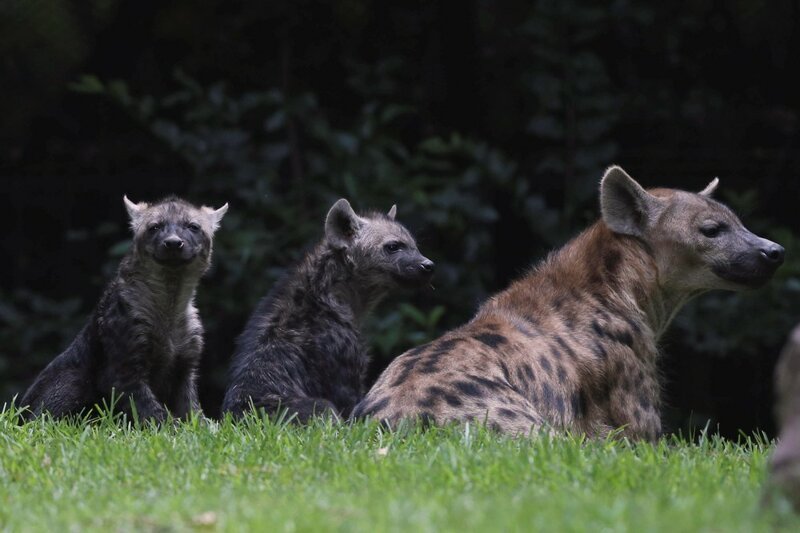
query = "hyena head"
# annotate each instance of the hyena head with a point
(173, 233)
(380, 250)
(697, 242)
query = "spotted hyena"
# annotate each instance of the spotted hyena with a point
(302, 348)
(144, 339)
(573, 344)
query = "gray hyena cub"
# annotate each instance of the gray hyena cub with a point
(144, 339)
(302, 348)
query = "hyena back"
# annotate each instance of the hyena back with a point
(142, 343)
(573, 344)
(302, 349)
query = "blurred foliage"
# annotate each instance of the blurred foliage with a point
(488, 125)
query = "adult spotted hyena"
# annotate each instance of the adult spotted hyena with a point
(143, 341)
(302, 349)
(573, 344)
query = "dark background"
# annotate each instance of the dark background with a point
(488, 123)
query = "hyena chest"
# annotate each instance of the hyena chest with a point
(340, 360)
(173, 350)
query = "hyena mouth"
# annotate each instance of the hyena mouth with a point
(173, 260)
(412, 281)
(750, 276)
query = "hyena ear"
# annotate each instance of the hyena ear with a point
(626, 207)
(216, 215)
(710, 188)
(341, 224)
(134, 210)
(392, 212)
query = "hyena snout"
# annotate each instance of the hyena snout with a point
(416, 272)
(772, 253)
(175, 249)
(753, 264)
(173, 243)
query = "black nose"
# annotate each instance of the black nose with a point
(173, 243)
(427, 266)
(773, 253)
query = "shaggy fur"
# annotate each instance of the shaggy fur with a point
(573, 344)
(302, 348)
(143, 341)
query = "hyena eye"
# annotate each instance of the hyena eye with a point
(154, 228)
(712, 230)
(194, 226)
(393, 247)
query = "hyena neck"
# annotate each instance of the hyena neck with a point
(327, 275)
(624, 269)
(165, 292)
(598, 269)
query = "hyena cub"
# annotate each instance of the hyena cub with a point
(143, 342)
(572, 345)
(302, 349)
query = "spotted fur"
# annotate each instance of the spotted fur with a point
(143, 342)
(302, 350)
(573, 344)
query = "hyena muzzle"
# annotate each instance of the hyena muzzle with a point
(573, 344)
(302, 350)
(142, 343)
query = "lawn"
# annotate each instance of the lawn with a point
(276, 477)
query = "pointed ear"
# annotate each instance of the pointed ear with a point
(626, 207)
(216, 215)
(710, 188)
(134, 210)
(341, 224)
(392, 212)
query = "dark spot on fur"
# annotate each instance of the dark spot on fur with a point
(611, 261)
(547, 395)
(600, 351)
(507, 413)
(468, 388)
(492, 340)
(427, 403)
(598, 329)
(488, 383)
(555, 352)
(545, 362)
(525, 327)
(567, 348)
(504, 369)
(452, 400)
(578, 403)
(559, 402)
(625, 338)
(558, 303)
(528, 371)
(373, 408)
(408, 366)
(417, 351)
(562, 374)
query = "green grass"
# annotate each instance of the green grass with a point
(274, 477)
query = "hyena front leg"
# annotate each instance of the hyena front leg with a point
(633, 401)
(185, 399)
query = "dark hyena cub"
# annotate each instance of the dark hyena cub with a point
(144, 339)
(302, 348)
(572, 345)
